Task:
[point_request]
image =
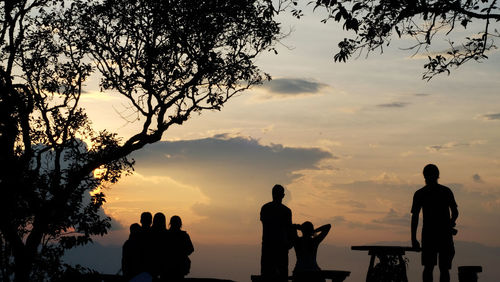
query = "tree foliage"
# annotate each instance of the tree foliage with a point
(376, 22)
(168, 59)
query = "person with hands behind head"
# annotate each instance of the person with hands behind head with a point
(306, 250)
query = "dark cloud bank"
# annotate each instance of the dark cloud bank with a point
(236, 173)
(225, 156)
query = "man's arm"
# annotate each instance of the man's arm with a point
(454, 210)
(416, 206)
(414, 225)
(323, 231)
(454, 215)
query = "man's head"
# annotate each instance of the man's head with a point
(431, 173)
(146, 219)
(135, 229)
(278, 193)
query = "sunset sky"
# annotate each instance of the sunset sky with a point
(348, 141)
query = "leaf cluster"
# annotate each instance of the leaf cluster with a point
(376, 22)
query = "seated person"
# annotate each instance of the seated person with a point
(179, 249)
(306, 249)
(133, 254)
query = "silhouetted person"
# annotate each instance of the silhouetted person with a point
(179, 248)
(436, 202)
(306, 249)
(146, 221)
(146, 238)
(277, 236)
(159, 241)
(132, 254)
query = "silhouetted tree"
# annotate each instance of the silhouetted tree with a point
(376, 21)
(169, 59)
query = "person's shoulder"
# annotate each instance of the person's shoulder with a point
(445, 189)
(285, 208)
(421, 191)
(267, 205)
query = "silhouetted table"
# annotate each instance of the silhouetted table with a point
(391, 265)
(468, 273)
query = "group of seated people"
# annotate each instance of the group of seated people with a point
(155, 253)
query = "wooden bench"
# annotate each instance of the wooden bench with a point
(333, 275)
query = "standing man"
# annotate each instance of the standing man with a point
(276, 237)
(436, 202)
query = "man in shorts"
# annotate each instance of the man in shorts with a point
(277, 231)
(436, 202)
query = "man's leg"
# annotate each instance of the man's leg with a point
(266, 261)
(282, 264)
(444, 274)
(429, 260)
(427, 274)
(445, 260)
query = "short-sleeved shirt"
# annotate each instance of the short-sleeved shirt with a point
(435, 201)
(276, 223)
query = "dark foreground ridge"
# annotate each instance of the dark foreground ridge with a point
(118, 278)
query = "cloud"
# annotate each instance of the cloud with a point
(235, 173)
(390, 220)
(352, 203)
(291, 87)
(387, 178)
(342, 221)
(227, 155)
(393, 105)
(394, 218)
(454, 145)
(422, 94)
(477, 178)
(491, 116)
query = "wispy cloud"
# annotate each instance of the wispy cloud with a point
(352, 204)
(394, 218)
(454, 145)
(393, 105)
(291, 87)
(495, 116)
(341, 220)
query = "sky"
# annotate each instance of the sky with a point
(348, 141)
